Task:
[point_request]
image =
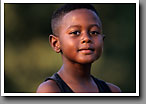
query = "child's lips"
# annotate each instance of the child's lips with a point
(86, 50)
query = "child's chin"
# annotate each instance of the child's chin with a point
(86, 61)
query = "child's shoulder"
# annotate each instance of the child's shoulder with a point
(106, 86)
(113, 87)
(49, 86)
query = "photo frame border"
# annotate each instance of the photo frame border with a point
(70, 94)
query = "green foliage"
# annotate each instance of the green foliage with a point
(29, 58)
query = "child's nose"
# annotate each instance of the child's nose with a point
(85, 38)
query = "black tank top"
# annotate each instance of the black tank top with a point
(64, 88)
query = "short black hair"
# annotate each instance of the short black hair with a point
(66, 8)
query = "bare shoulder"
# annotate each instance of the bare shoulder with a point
(49, 86)
(114, 88)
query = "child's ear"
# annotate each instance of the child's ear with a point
(55, 43)
(103, 41)
(104, 37)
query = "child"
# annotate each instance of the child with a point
(77, 36)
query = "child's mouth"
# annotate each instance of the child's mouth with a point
(86, 51)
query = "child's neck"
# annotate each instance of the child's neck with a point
(75, 71)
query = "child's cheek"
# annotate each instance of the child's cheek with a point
(99, 49)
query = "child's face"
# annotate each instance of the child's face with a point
(80, 36)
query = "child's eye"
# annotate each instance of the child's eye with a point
(94, 33)
(75, 33)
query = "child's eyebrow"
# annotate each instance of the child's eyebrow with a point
(78, 26)
(92, 25)
(72, 26)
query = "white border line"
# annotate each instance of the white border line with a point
(2, 48)
(137, 47)
(69, 94)
(70, 1)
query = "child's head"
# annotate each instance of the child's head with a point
(77, 33)
(61, 12)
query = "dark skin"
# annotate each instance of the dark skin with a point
(80, 43)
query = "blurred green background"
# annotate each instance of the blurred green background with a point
(29, 59)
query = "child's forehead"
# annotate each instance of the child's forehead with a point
(81, 11)
(81, 14)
